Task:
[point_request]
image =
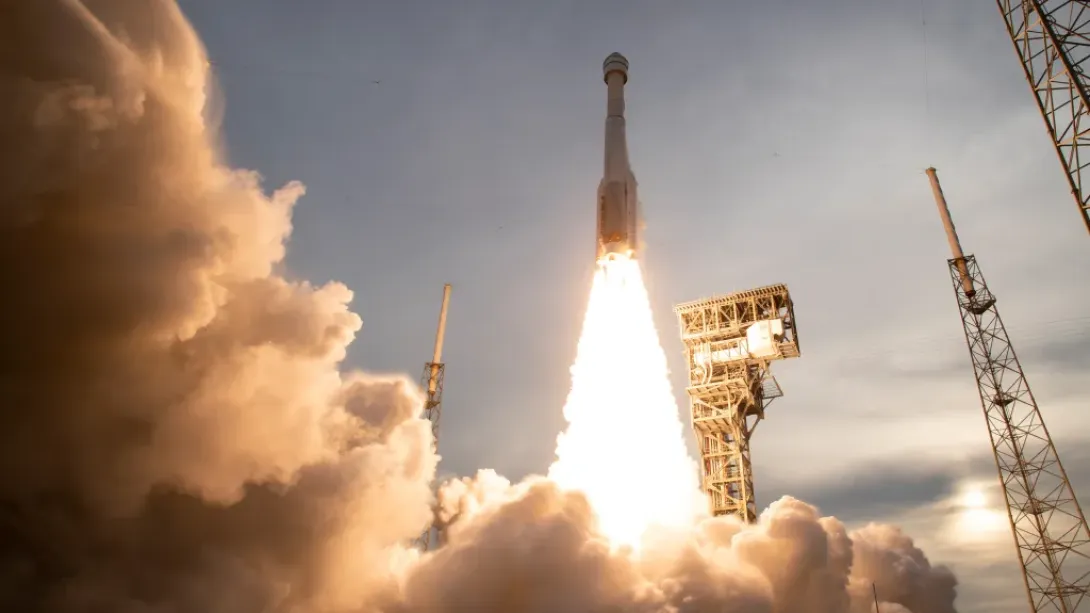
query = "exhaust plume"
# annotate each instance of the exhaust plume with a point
(624, 447)
(176, 434)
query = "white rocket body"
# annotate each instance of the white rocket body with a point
(617, 201)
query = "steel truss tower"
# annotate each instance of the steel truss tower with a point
(730, 342)
(1050, 530)
(432, 382)
(1052, 38)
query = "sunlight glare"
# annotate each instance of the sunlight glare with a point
(976, 518)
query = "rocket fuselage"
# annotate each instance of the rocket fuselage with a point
(617, 201)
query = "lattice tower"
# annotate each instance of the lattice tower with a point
(730, 342)
(432, 382)
(1052, 38)
(1050, 530)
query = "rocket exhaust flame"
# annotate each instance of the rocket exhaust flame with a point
(624, 447)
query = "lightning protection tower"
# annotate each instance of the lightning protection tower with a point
(1052, 38)
(1050, 530)
(432, 382)
(730, 342)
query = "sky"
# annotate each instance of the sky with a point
(774, 142)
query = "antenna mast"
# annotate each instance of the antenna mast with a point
(432, 382)
(1050, 38)
(1050, 530)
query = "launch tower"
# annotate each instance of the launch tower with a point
(1050, 530)
(432, 382)
(1051, 37)
(730, 343)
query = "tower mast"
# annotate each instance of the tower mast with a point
(730, 342)
(432, 382)
(1051, 37)
(1050, 530)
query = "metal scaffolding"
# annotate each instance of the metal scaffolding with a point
(730, 342)
(1050, 530)
(432, 382)
(1052, 38)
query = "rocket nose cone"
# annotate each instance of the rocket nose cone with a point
(615, 62)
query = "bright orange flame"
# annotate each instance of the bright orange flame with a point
(624, 447)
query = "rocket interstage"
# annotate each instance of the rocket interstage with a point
(617, 202)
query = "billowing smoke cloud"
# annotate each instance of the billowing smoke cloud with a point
(176, 435)
(531, 547)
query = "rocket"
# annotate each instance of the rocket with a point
(617, 202)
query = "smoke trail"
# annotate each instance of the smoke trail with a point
(176, 436)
